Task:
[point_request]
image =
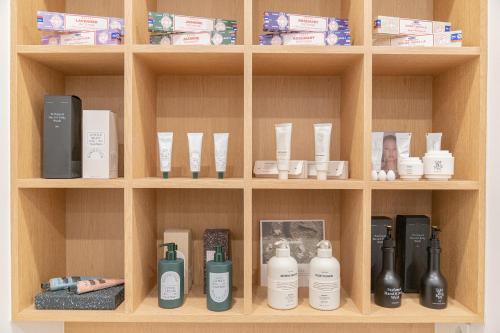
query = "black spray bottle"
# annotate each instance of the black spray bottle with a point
(434, 288)
(388, 283)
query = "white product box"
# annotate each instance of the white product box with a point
(302, 236)
(336, 169)
(182, 237)
(269, 169)
(442, 39)
(389, 25)
(99, 144)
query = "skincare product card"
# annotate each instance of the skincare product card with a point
(269, 169)
(100, 144)
(302, 236)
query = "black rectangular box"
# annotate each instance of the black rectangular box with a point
(412, 239)
(62, 137)
(105, 299)
(378, 232)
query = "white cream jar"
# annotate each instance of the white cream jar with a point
(439, 165)
(411, 168)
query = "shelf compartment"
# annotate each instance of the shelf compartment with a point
(209, 102)
(343, 213)
(35, 79)
(155, 210)
(421, 60)
(59, 232)
(456, 213)
(425, 185)
(156, 182)
(349, 9)
(306, 184)
(448, 102)
(25, 24)
(462, 14)
(225, 9)
(304, 60)
(308, 99)
(70, 183)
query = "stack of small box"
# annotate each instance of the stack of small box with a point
(173, 29)
(294, 29)
(403, 32)
(74, 29)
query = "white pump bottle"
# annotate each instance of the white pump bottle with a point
(324, 279)
(282, 278)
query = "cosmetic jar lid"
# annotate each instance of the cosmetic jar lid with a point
(411, 160)
(321, 175)
(438, 153)
(283, 175)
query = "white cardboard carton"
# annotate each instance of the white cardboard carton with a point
(99, 144)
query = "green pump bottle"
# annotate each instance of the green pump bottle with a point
(219, 282)
(170, 279)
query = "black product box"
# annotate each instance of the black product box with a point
(212, 238)
(378, 232)
(412, 239)
(62, 137)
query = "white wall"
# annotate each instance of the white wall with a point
(493, 211)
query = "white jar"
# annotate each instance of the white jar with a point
(324, 279)
(282, 279)
(411, 168)
(439, 165)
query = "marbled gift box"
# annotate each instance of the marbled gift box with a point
(105, 299)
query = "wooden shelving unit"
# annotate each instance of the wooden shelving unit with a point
(112, 227)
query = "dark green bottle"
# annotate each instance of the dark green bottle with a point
(219, 282)
(170, 279)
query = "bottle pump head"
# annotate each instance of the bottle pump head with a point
(282, 248)
(388, 241)
(219, 254)
(324, 249)
(434, 241)
(171, 251)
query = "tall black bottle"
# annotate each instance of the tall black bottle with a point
(433, 286)
(388, 283)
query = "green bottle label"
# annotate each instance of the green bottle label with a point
(170, 286)
(219, 286)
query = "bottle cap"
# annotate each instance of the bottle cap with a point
(220, 175)
(324, 249)
(282, 248)
(388, 241)
(171, 253)
(283, 175)
(219, 255)
(321, 175)
(165, 175)
(195, 174)
(434, 241)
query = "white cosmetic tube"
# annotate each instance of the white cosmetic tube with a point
(195, 141)
(221, 141)
(165, 141)
(322, 138)
(377, 149)
(403, 141)
(283, 147)
(434, 141)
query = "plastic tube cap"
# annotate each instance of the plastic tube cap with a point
(324, 249)
(282, 248)
(283, 175)
(165, 175)
(195, 175)
(220, 175)
(322, 175)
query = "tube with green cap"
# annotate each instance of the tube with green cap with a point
(170, 279)
(220, 281)
(165, 140)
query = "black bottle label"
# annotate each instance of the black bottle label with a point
(438, 296)
(393, 295)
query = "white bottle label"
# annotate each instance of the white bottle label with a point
(284, 290)
(324, 290)
(219, 286)
(170, 286)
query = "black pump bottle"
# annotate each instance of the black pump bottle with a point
(433, 286)
(388, 283)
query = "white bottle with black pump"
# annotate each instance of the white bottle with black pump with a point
(324, 279)
(282, 278)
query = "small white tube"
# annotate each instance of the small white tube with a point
(283, 147)
(221, 141)
(403, 141)
(377, 149)
(434, 141)
(165, 141)
(322, 138)
(195, 141)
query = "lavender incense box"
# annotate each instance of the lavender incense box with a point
(101, 37)
(284, 22)
(166, 22)
(340, 38)
(195, 38)
(54, 21)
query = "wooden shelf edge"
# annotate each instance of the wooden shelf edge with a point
(304, 49)
(70, 183)
(425, 185)
(430, 51)
(210, 183)
(70, 49)
(306, 184)
(227, 49)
